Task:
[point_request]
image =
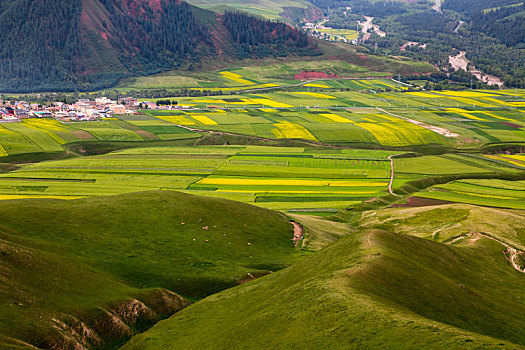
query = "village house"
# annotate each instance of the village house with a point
(117, 109)
(21, 113)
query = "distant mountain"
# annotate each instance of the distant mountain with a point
(52, 45)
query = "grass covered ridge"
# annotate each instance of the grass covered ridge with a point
(367, 290)
(92, 272)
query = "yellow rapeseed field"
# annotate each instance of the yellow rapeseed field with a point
(494, 115)
(504, 103)
(464, 113)
(423, 94)
(336, 118)
(301, 192)
(516, 159)
(520, 157)
(176, 119)
(49, 127)
(315, 94)
(505, 159)
(204, 120)
(395, 134)
(388, 117)
(210, 101)
(389, 85)
(49, 124)
(469, 101)
(3, 153)
(360, 84)
(270, 103)
(287, 130)
(236, 78)
(317, 85)
(465, 94)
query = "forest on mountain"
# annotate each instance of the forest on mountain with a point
(507, 24)
(490, 32)
(53, 45)
(255, 37)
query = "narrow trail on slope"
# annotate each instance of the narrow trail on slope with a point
(511, 253)
(298, 233)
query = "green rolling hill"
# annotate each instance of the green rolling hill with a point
(90, 273)
(372, 289)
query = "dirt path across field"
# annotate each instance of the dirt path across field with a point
(392, 173)
(298, 233)
(436, 129)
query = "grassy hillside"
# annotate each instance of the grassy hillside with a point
(45, 296)
(374, 289)
(95, 271)
(289, 10)
(444, 223)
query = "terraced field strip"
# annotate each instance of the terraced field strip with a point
(516, 159)
(264, 176)
(494, 193)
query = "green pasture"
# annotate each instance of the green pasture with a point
(376, 289)
(88, 260)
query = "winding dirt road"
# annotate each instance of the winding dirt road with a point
(392, 173)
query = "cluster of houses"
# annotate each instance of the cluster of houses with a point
(82, 110)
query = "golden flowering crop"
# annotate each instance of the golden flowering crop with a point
(287, 130)
(176, 119)
(336, 118)
(204, 120)
(315, 94)
(236, 78)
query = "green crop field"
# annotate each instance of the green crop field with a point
(493, 193)
(400, 121)
(272, 73)
(277, 178)
(465, 119)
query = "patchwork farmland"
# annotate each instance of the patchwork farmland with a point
(325, 174)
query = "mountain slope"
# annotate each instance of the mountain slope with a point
(52, 45)
(90, 273)
(374, 289)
